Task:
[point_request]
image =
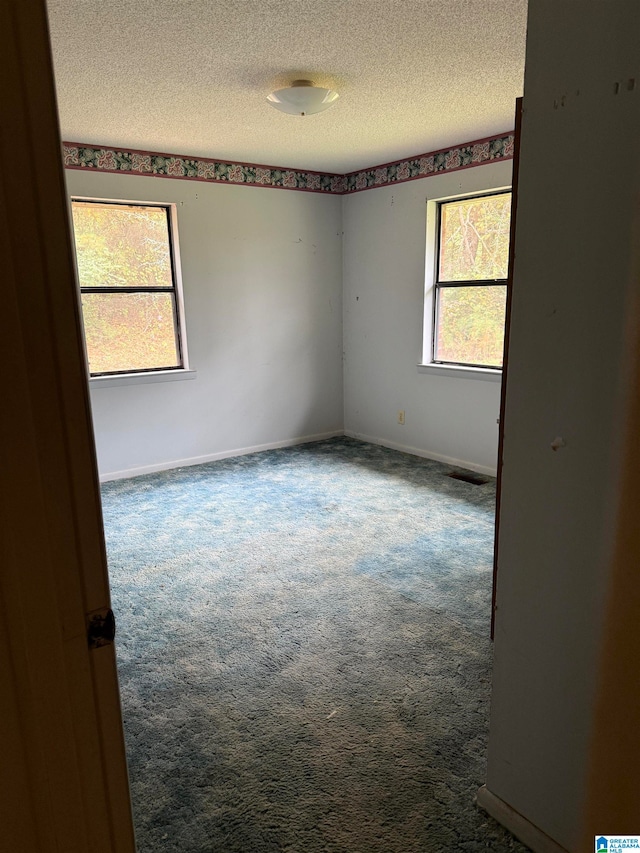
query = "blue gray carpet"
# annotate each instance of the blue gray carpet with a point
(304, 655)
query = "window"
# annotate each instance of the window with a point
(470, 290)
(127, 269)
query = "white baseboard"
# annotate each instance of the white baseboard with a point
(292, 442)
(425, 454)
(212, 457)
(516, 823)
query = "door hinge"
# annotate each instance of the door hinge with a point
(101, 628)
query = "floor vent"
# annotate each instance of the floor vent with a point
(474, 479)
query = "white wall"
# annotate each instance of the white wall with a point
(263, 294)
(572, 260)
(447, 417)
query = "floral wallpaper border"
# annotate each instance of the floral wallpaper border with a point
(79, 155)
(425, 165)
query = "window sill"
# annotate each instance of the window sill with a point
(140, 378)
(485, 373)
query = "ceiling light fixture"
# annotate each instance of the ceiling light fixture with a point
(302, 98)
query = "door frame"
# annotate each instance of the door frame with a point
(505, 359)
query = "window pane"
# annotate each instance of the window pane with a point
(129, 331)
(474, 238)
(470, 324)
(121, 245)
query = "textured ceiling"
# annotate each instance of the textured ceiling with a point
(191, 76)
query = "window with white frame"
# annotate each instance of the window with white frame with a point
(130, 286)
(470, 287)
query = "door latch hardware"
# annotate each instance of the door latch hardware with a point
(101, 628)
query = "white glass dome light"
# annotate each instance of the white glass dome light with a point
(302, 98)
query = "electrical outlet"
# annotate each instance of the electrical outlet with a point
(401, 417)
